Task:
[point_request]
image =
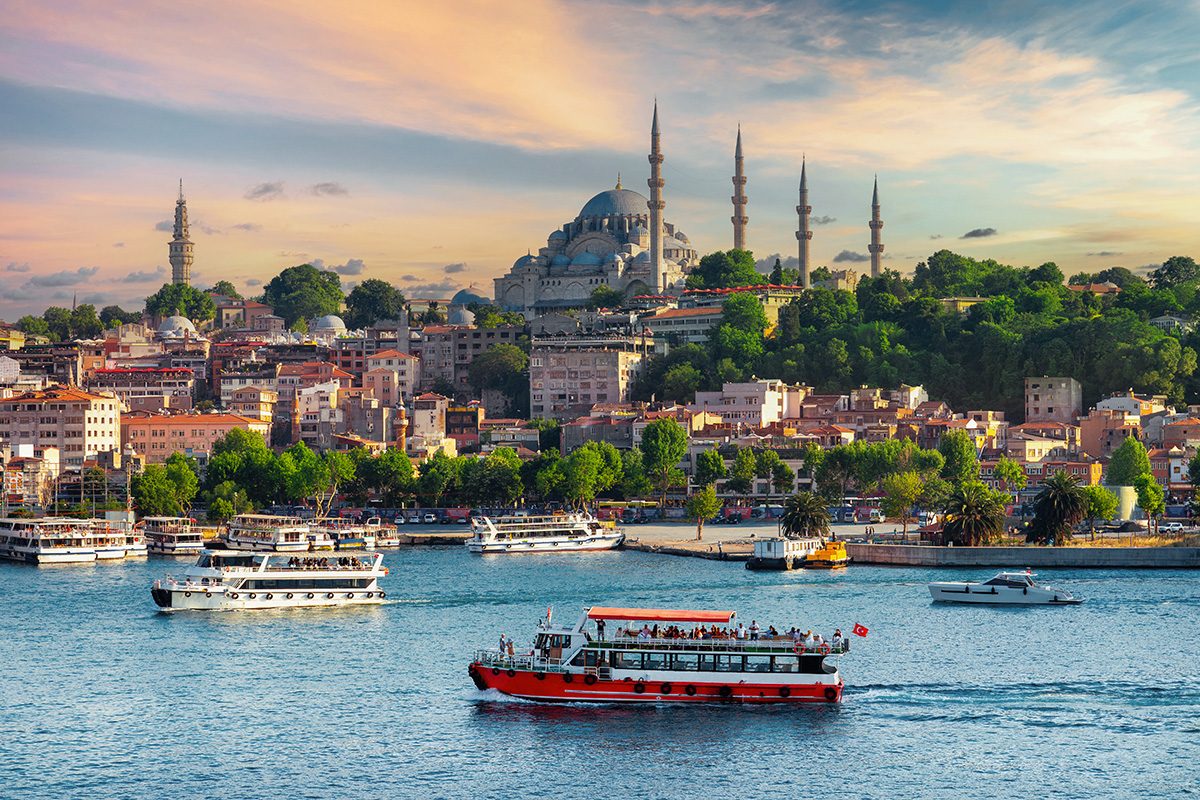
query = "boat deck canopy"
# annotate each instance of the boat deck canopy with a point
(659, 615)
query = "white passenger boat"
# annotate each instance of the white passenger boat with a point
(265, 532)
(232, 579)
(550, 533)
(51, 540)
(385, 535)
(1006, 588)
(691, 657)
(344, 534)
(173, 536)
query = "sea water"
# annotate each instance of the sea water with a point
(103, 696)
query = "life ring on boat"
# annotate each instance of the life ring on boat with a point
(310, 595)
(568, 677)
(785, 691)
(208, 594)
(831, 694)
(798, 648)
(824, 649)
(689, 690)
(639, 687)
(495, 670)
(541, 676)
(289, 595)
(253, 596)
(589, 679)
(329, 596)
(664, 689)
(725, 691)
(233, 595)
(512, 673)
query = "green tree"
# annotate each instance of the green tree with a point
(112, 316)
(1101, 504)
(503, 367)
(225, 289)
(154, 494)
(962, 461)
(742, 472)
(901, 491)
(725, 269)
(805, 515)
(1151, 499)
(1058, 508)
(304, 292)
(502, 476)
(225, 500)
(744, 312)
(710, 467)
(184, 474)
(182, 299)
(605, 297)
(85, 323)
(438, 477)
(374, 300)
(549, 433)
(1010, 474)
(634, 482)
(490, 316)
(702, 505)
(1128, 463)
(974, 515)
(783, 478)
(581, 471)
(679, 383)
(664, 444)
(33, 326)
(1175, 271)
(58, 321)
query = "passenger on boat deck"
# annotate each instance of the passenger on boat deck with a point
(754, 630)
(741, 631)
(600, 629)
(503, 642)
(510, 648)
(837, 639)
(644, 634)
(774, 634)
(809, 641)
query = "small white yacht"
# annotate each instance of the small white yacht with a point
(172, 536)
(1006, 588)
(550, 533)
(234, 580)
(265, 532)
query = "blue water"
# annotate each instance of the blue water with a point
(102, 696)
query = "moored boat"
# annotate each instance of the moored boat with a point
(1006, 588)
(266, 532)
(830, 555)
(51, 540)
(547, 533)
(578, 663)
(233, 579)
(172, 536)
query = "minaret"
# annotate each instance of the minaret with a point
(180, 246)
(803, 233)
(876, 246)
(656, 205)
(739, 218)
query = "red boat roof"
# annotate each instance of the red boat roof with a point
(659, 614)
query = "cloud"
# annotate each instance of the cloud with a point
(765, 265)
(936, 236)
(118, 244)
(265, 191)
(13, 266)
(328, 189)
(410, 278)
(353, 266)
(432, 290)
(823, 221)
(246, 226)
(166, 226)
(254, 282)
(1106, 253)
(158, 275)
(450, 269)
(850, 256)
(978, 233)
(66, 277)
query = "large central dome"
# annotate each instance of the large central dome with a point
(615, 203)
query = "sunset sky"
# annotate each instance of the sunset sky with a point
(431, 144)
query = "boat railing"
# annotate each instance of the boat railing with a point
(501, 660)
(781, 644)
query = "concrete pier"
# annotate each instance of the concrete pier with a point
(1033, 556)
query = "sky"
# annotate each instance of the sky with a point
(431, 145)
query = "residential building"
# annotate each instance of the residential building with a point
(1169, 323)
(319, 415)
(462, 424)
(1182, 433)
(242, 314)
(1103, 430)
(773, 298)
(156, 436)
(427, 426)
(147, 388)
(80, 424)
(446, 351)
(1133, 406)
(755, 404)
(568, 374)
(25, 479)
(407, 369)
(681, 325)
(254, 402)
(1053, 399)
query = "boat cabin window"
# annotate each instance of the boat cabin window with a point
(758, 663)
(205, 561)
(552, 640)
(625, 660)
(588, 658)
(1013, 581)
(685, 662)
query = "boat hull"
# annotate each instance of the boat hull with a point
(977, 594)
(173, 549)
(216, 599)
(557, 544)
(561, 687)
(84, 555)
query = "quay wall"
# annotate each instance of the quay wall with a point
(1019, 557)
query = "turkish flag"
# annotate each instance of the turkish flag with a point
(859, 630)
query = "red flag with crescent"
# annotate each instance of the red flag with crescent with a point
(859, 630)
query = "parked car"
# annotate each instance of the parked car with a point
(1172, 527)
(429, 518)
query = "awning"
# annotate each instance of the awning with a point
(659, 615)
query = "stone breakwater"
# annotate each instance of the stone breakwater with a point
(1035, 557)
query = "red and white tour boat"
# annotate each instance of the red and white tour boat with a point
(579, 663)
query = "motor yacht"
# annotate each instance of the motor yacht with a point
(1006, 588)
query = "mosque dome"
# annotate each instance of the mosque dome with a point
(459, 315)
(681, 236)
(586, 259)
(524, 261)
(557, 236)
(615, 203)
(560, 260)
(464, 297)
(176, 326)
(329, 322)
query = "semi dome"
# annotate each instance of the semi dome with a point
(615, 203)
(556, 236)
(329, 322)
(560, 260)
(464, 297)
(586, 259)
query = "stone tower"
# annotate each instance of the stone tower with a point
(739, 218)
(876, 246)
(656, 205)
(804, 233)
(180, 246)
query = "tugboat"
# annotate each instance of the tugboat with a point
(580, 663)
(830, 555)
(1006, 588)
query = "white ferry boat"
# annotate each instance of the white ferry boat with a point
(173, 536)
(51, 540)
(385, 535)
(345, 534)
(265, 532)
(233, 579)
(579, 663)
(1006, 588)
(551, 533)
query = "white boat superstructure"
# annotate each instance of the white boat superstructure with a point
(53, 540)
(549, 533)
(344, 534)
(1006, 588)
(173, 536)
(234, 579)
(266, 532)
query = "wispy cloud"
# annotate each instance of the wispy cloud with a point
(265, 191)
(157, 275)
(13, 266)
(254, 282)
(118, 244)
(978, 233)
(822, 221)
(1105, 254)
(450, 269)
(353, 266)
(410, 278)
(165, 225)
(246, 226)
(433, 290)
(328, 189)
(64, 278)
(849, 256)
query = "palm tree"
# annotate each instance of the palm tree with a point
(1058, 507)
(974, 514)
(805, 514)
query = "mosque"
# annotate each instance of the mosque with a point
(621, 241)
